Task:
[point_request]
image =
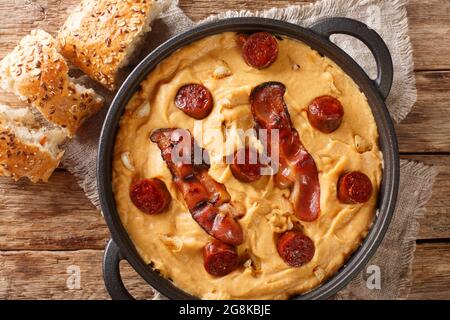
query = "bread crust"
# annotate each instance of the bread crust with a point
(18, 159)
(36, 72)
(99, 35)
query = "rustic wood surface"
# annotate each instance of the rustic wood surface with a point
(46, 230)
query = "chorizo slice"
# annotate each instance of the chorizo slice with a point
(354, 187)
(297, 168)
(195, 100)
(219, 259)
(241, 38)
(295, 248)
(259, 50)
(150, 195)
(246, 166)
(325, 113)
(202, 194)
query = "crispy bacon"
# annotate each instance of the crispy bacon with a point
(202, 194)
(297, 169)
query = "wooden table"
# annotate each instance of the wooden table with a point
(48, 231)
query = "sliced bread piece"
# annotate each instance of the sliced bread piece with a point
(26, 149)
(37, 73)
(100, 35)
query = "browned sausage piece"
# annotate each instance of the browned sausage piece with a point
(193, 192)
(178, 150)
(246, 166)
(218, 194)
(150, 195)
(295, 248)
(260, 50)
(195, 100)
(219, 259)
(354, 187)
(325, 113)
(227, 229)
(297, 168)
(205, 216)
(202, 194)
(221, 226)
(268, 107)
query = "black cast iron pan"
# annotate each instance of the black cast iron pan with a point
(317, 37)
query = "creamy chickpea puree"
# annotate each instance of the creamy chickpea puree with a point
(172, 241)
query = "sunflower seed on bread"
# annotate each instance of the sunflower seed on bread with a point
(100, 35)
(37, 73)
(27, 149)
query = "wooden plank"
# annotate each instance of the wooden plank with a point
(53, 275)
(53, 216)
(436, 222)
(429, 22)
(431, 272)
(429, 27)
(46, 275)
(427, 127)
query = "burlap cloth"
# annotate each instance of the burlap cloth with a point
(394, 257)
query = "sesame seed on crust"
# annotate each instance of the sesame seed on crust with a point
(95, 29)
(28, 161)
(37, 73)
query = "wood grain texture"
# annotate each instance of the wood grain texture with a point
(50, 275)
(436, 222)
(54, 216)
(429, 27)
(46, 275)
(427, 127)
(431, 270)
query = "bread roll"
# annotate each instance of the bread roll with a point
(100, 35)
(27, 149)
(36, 72)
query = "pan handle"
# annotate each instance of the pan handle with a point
(111, 273)
(328, 26)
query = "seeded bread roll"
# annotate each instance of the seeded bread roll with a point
(100, 35)
(26, 149)
(37, 73)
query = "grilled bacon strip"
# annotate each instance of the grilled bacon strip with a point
(297, 169)
(203, 195)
